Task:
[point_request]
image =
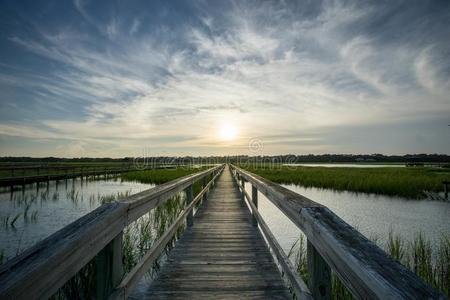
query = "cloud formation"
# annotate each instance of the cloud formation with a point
(304, 76)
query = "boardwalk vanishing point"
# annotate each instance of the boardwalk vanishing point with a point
(222, 256)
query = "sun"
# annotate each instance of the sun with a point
(228, 132)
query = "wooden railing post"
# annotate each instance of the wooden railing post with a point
(109, 267)
(189, 198)
(255, 201)
(204, 184)
(243, 188)
(446, 189)
(319, 281)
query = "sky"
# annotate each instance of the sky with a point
(161, 78)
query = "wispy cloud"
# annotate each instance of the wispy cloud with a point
(270, 68)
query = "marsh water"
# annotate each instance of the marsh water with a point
(372, 215)
(44, 210)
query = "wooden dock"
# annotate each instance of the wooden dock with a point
(23, 180)
(222, 256)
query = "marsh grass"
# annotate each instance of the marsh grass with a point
(160, 175)
(405, 182)
(432, 264)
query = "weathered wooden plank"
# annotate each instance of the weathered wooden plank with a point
(255, 204)
(189, 198)
(204, 183)
(204, 277)
(212, 285)
(220, 268)
(319, 274)
(216, 295)
(109, 267)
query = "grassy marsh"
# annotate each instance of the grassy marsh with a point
(160, 175)
(392, 181)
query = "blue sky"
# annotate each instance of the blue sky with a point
(126, 78)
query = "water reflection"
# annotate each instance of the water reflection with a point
(30, 214)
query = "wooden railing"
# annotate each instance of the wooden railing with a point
(332, 245)
(41, 270)
(81, 172)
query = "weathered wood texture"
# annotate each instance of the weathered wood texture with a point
(222, 256)
(298, 286)
(319, 274)
(366, 270)
(109, 268)
(39, 271)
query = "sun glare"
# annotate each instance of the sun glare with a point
(228, 132)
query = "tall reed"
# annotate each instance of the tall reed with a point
(430, 264)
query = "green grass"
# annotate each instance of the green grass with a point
(405, 182)
(430, 264)
(159, 176)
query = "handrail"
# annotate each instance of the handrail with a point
(366, 270)
(20, 180)
(298, 285)
(39, 271)
(130, 280)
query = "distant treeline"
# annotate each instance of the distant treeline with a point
(310, 158)
(352, 158)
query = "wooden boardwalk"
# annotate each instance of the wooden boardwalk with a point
(222, 256)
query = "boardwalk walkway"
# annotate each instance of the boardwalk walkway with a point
(222, 256)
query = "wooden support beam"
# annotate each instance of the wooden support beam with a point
(255, 201)
(243, 189)
(446, 189)
(319, 281)
(189, 197)
(109, 267)
(204, 183)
